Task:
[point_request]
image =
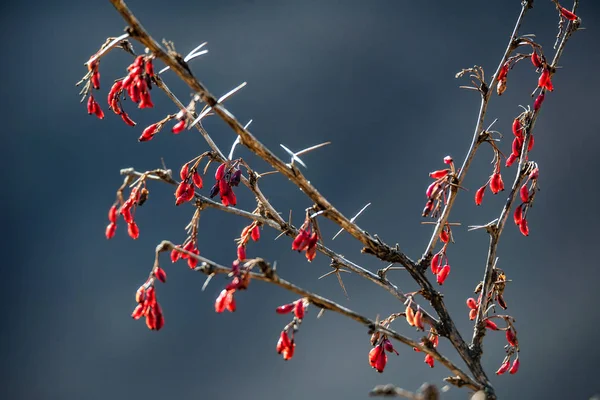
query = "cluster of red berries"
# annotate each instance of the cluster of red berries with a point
(137, 84)
(437, 191)
(239, 281)
(377, 355)
(251, 231)
(189, 179)
(227, 176)
(432, 340)
(307, 239)
(147, 304)
(511, 349)
(137, 197)
(440, 266)
(190, 246)
(414, 318)
(495, 183)
(527, 193)
(517, 144)
(286, 343)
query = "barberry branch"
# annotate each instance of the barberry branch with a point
(495, 230)
(373, 245)
(269, 275)
(291, 231)
(486, 91)
(266, 214)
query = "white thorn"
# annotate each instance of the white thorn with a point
(221, 99)
(190, 56)
(235, 143)
(294, 157)
(352, 219)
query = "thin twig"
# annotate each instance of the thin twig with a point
(485, 98)
(209, 267)
(290, 231)
(373, 245)
(523, 170)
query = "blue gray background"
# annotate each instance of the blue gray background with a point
(375, 78)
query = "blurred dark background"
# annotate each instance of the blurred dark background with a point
(375, 78)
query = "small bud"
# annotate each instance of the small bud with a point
(374, 355)
(160, 274)
(112, 214)
(381, 362)
(197, 179)
(567, 14)
(515, 366)
(537, 104)
(503, 71)
(138, 312)
(544, 78)
(518, 215)
(517, 145)
(444, 237)
(472, 314)
(299, 309)
(96, 80)
(439, 174)
(283, 342)
(429, 360)
(126, 119)
(111, 229)
(191, 261)
(531, 142)
(220, 303)
(140, 295)
(389, 347)
(236, 177)
(524, 192)
(410, 315)
(288, 352)
(175, 254)
(471, 303)
(496, 183)
(179, 127)
(148, 133)
(448, 160)
(285, 309)
(534, 174)
(183, 173)
(419, 320)
(511, 338)
(535, 60)
(214, 191)
(523, 227)
(436, 263)
(428, 208)
(501, 87)
(479, 195)
(255, 233)
(504, 367)
(220, 172)
(491, 325)
(517, 129)
(133, 230)
(510, 160)
(149, 68)
(241, 252)
(443, 274)
(126, 213)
